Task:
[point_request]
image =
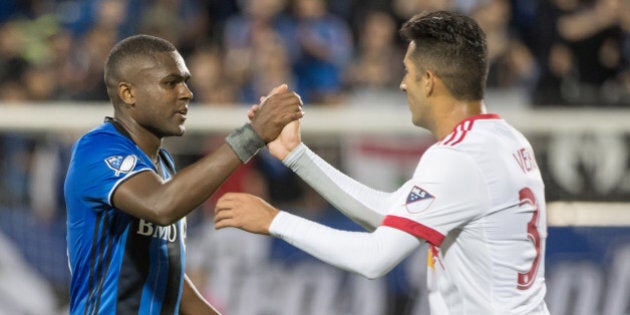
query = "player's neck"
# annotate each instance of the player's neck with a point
(453, 114)
(148, 142)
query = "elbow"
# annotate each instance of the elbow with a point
(369, 222)
(162, 214)
(164, 219)
(373, 269)
(374, 273)
(153, 202)
(369, 226)
(166, 207)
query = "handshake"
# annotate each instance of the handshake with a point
(274, 122)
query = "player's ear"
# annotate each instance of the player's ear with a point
(428, 82)
(126, 93)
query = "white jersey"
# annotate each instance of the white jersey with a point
(477, 197)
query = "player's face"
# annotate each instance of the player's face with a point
(162, 94)
(411, 85)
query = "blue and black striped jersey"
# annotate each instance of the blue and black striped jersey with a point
(119, 264)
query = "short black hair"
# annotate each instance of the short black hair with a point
(129, 49)
(453, 46)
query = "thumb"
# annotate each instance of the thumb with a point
(278, 89)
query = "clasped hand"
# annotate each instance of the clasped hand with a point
(287, 137)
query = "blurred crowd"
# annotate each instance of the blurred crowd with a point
(568, 53)
(571, 53)
(562, 52)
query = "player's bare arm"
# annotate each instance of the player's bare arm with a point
(148, 197)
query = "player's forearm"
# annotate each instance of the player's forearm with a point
(192, 186)
(362, 204)
(165, 202)
(369, 254)
(148, 197)
(196, 183)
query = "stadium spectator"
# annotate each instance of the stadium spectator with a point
(405, 9)
(580, 53)
(16, 147)
(182, 22)
(246, 35)
(270, 64)
(87, 81)
(511, 63)
(210, 84)
(481, 211)
(129, 193)
(625, 51)
(377, 63)
(324, 48)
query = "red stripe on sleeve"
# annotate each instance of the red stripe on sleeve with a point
(414, 228)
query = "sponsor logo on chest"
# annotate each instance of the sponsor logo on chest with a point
(168, 233)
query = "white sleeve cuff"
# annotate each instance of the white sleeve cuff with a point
(291, 159)
(282, 224)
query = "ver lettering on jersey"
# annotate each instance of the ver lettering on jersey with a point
(525, 160)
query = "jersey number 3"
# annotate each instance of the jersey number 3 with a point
(526, 197)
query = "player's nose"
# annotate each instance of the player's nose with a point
(186, 92)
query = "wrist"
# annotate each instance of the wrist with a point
(245, 142)
(294, 155)
(278, 224)
(272, 218)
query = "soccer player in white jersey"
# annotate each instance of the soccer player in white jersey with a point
(476, 196)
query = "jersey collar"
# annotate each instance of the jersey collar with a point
(468, 122)
(162, 154)
(459, 131)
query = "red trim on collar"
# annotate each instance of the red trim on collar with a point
(479, 117)
(461, 129)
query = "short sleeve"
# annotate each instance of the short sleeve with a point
(446, 191)
(100, 163)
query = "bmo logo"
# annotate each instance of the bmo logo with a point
(167, 233)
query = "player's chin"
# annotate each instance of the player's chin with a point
(178, 126)
(175, 131)
(181, 130)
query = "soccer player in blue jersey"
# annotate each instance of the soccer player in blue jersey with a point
(127, 206)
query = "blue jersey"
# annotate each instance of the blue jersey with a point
(119, 264)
